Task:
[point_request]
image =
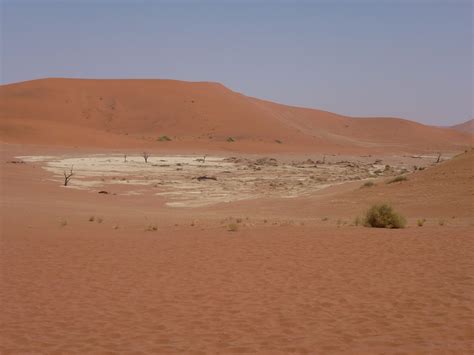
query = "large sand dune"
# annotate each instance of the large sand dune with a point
(107, 113)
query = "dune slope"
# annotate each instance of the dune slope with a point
(70, 111)
(467, 126)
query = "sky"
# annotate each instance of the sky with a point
(409, 59)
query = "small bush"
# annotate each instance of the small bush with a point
(441, 222)
(230, 139)
(100, 220)
(164, 139)
(233, 227)
(91, 219)
(368, 184)
(398, 178)
(278, 141)
(420, 222)
(63, 223)
(151, 228)
(383, 216)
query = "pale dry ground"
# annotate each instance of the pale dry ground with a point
(286, 281)
(194, 181)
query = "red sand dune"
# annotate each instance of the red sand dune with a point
(106, 113)
(467, 127)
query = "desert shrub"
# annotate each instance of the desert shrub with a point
(278, 141)
(420, 222)
(441, 222)
(233, 227)
(230, 139)
(151, 228)
(383, 216)
(398, 178)
(91, 219)
(100, 219)
(368, 184)
(164, 139)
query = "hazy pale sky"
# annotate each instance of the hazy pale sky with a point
(410, 59)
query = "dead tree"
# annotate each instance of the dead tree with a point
(145, 156)
(203, 160)
(125, 158)
(439, 158)
(68, 175)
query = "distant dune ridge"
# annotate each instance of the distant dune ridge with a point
(108, 113)
(467, 126)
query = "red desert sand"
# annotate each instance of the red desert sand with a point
(273, 263)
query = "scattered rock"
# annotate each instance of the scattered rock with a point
(204, 177)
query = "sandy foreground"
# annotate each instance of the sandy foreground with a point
(83, 272)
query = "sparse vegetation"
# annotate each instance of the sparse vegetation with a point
(145, 156)
(164, 139)
(278, 141)
(420, 222)
(368, 184)
(324, 219)
(230, 139)
(233, 227)
(151, 228)
(63, 223)
(91, 219)
(441, 222)
(383, 216)
(398, 178)
(100, 219)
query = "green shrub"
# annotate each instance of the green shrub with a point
(383, 216)
(164, 139)
(398, 178)
(151, 228)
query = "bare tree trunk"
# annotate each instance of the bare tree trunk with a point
(125, 158)
(68, 175)
(439, 158)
